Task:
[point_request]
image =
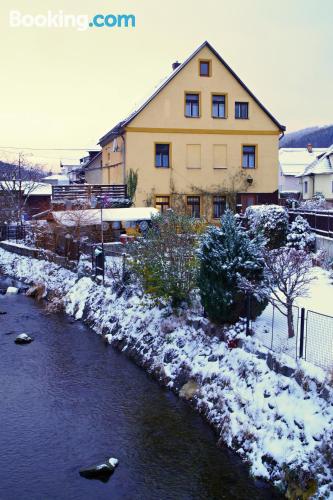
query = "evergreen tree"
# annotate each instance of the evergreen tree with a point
(227, 254)
(300, 236)
(271, 221)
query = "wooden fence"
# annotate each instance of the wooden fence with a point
(87, 191)
(321, 221)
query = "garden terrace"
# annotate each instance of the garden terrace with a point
(87, 191)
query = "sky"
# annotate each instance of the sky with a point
(64, 88)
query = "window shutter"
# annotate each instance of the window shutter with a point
(219, 155)
(193, 156)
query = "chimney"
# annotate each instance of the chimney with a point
(175, 65)
(309, 148)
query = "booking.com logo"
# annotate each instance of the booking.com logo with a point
(59, 19)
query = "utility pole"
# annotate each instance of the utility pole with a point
(20, 194)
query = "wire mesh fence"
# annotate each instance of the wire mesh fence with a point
(310, 337)
(12, 232)
(318, 345)
(273, 332)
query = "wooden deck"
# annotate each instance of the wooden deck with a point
(87, 191)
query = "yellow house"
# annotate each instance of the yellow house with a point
(200, 142)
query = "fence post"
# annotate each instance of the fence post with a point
(301, 339)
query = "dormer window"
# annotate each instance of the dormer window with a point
(205, 68)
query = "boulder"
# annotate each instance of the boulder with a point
(36, 291)
(2, 312)
(101, 471)
(190, 389)
(12, 290)
(23, 338)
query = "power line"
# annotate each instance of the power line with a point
(48, 149)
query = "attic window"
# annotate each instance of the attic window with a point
(205, 68)
(242, 110)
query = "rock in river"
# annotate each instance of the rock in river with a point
(12, 289)
(23, 338)
(102, 471)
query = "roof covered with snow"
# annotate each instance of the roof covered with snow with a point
(294, 160)
(93, 216)
(29, 188)
(321, 165)
(56, 177)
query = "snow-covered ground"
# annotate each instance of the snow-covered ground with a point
(271, 327)
(281, 426)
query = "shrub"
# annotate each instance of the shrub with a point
(317, 202)
(226, 254)
(271, 221)
(300, 235)
(165, 260)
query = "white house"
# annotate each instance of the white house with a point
(317, 177)
(292, 163)
(56, 180)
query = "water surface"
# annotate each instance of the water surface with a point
(67, 401)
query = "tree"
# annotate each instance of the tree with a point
(287, 277)
(271, 221)
(17, 183)
(300, 235)
(78, 225)
(132, 182)
(226, 254)
(164, 260)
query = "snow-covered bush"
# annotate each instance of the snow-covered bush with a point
(317, 202)
(300, 235)
(226, 254)
(165, 259)
(271, 221)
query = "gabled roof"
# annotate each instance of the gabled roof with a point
(89, 162)
(323, 164)
(120, 127)
(293, 161)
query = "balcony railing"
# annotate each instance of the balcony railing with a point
(88, 191)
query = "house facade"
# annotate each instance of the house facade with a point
(292, 163)
(200, 142)
(93, 172)
(317, 178)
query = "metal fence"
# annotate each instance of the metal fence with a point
(318, 340)
(312, 338)
(12, 232)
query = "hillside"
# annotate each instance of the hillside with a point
(319, 137)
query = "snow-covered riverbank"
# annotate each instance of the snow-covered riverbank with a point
(282, 427)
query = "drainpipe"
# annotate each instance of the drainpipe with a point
(124, 160)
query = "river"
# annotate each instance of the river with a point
(68, 401)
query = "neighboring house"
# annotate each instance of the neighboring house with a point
(75, 173)
(200, 141)
(57, 180)
(292, 162)
(35, 196)
(318, 176)
(93, 169)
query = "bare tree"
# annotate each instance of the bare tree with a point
(288, 277)
(17, 182)
(79, 224)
